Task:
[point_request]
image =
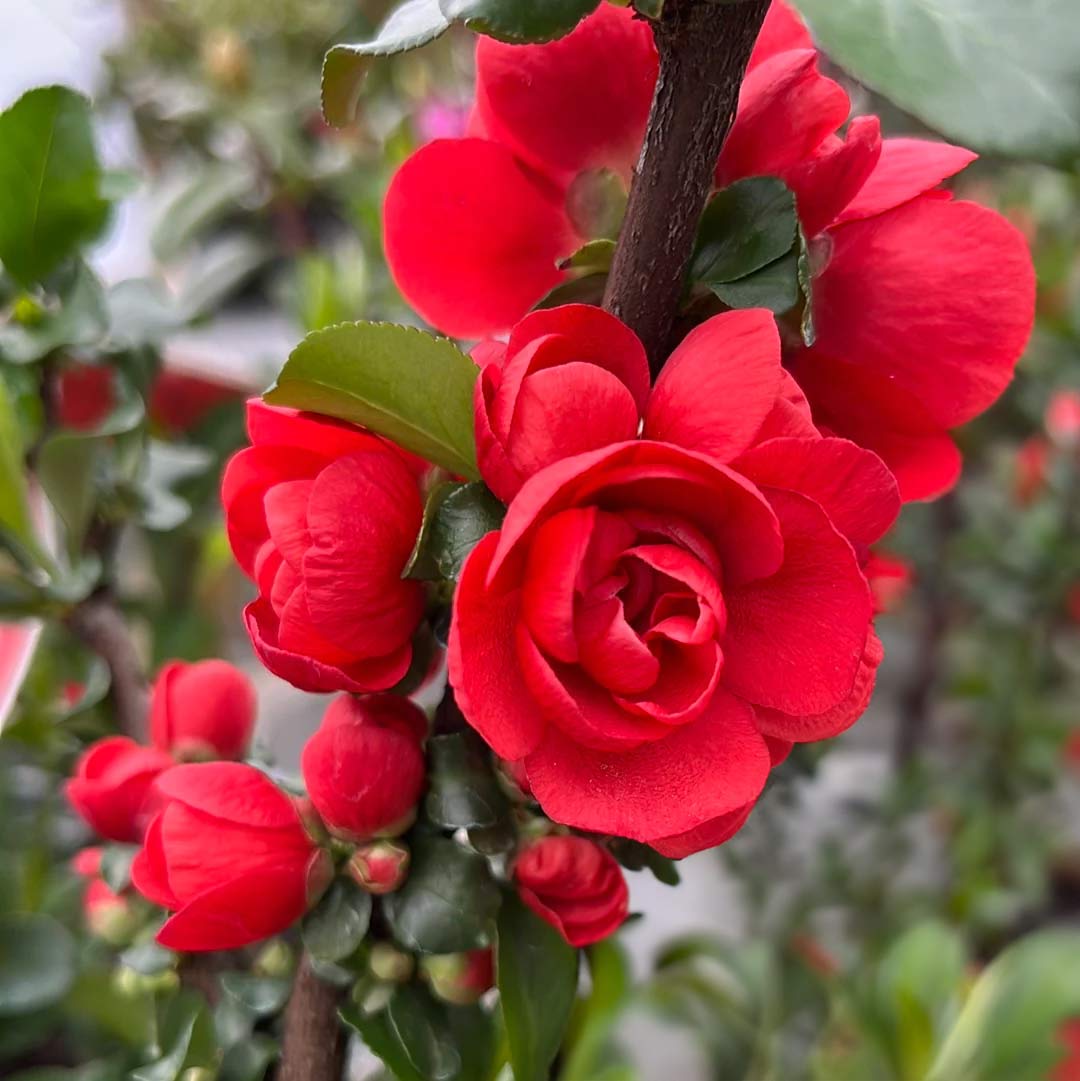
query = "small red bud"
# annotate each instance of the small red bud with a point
(459, 978)
(380, 866)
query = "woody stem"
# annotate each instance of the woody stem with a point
(704, 47)
(313, 1043)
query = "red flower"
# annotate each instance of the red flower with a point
(230, 856)
(575, 885)
(202, 710)
(651, 610)
(1063, 418)
(1068, 1067)
(323, 516)
(179, 400)
(87, 861)
(85, 395)
(364, 769)
(890, 579)
(570, 379)
(112, 786)
(474, 227)
(1031, 464)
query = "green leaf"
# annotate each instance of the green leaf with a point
(806, 287)
(538, 978)
(249, 1059)
(586, 289)
(50, 182)
(415, 1020)
(37, 963)
(594, 1017)
(457, 517)
(116, 860)
(185, 1039)
(1008, 1027)
(148, 958)
(592, 258)
(519, 20)
(264, 996)
(775, 286)
(409, 386)
(383, 1041)
(448, 902)
(414, 23)
(651, 9)
(212, 194)
(993, 74)
(745, 227)
(337, 925)
(14, 503)
(463, 791)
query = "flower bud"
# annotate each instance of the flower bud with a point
(1062, 419)
(459, 978)
(364, 769)
(109, 915)
(275, 959)
(202, 711)
(389, 963)
(380, 867)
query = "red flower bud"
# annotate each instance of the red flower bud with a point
(111, 788)
(575, 885)
(87, 862)
(108, 914)
(179, 400)
(364, 769)
(1031, 462)
(460, 978)
(203, 710)
(230, 856)
(85, 395)
(1063, 419)
(380, 867)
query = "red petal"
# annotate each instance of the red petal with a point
(774, 724)
(231, 791)
(482, 658)
(787, 109)
(795, 640)
(578, 103)
(472, 239)
(908, 295)
(906, 169)
(782, 31)
(852, 485)
(718, 386)
(708, 835)
(149, 872)
(276, 426)
(704, 769)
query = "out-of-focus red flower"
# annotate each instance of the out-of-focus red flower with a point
(380, 867)
(890, 578)
(575, 885)
(108, 914)
(1063, 419)
(1031, 463)
(460, 978)
(179, 400)
(1068, 1068)
(85, 395)
(87, 861)
(323, 517)
(815, 955)
(440, 119)
(1072, 602)
(112, 786)
(652, 611)
(202, 710)
(570, 379)
(364, 769)
(229, 856)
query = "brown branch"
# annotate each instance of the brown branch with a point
(704, 48)
(313, 1044)
(101, 626)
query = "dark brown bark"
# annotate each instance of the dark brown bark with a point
(100, 625)
(704, 48)
(313, 1045)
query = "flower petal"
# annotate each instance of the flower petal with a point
(231, 791)
(782, 31)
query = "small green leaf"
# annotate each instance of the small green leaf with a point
(116, 860)
(775, 287)
(264, 996)
(382, 1041)
(457, 517)
(409, 386)
(415, 1020)
(37, 963)
(148, 958)
(212, 194)
(249, 1059)
(651, 9)
(414, 23)
(586, 289)
(592, 258)
(448, 902)
(51, 201)
(14, 503)
(992, 74)
(463, 791)
(337, 925)
(806, 287)
(518, 21)
(538, 978)
(745, 227)
(185, 1039)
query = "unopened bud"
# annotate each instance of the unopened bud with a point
(389, 963)
(459, 978)
(380, 866)
(275, 960)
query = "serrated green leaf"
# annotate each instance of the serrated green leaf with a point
(448, 902)
(775, 287)
(337, 925)
(409, 26)
(517, 21)
(537, 979)
(457, 517)
(50, 182)
(37, 963)
(409, 386)
(463, 791)
(993, 74)
(744, 228)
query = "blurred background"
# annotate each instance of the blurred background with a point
(838, 934)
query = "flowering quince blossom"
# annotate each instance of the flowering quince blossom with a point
(229, 855)
(913, 335)
(575, 885)
(364, 768)
(659, 618)
(112, 786)
(203, 710)
(323, 517)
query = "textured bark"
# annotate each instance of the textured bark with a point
(704, 48)
(313, 1045)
